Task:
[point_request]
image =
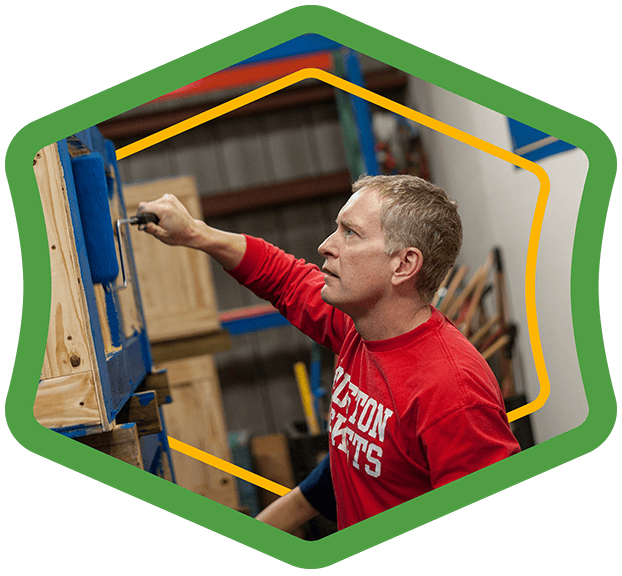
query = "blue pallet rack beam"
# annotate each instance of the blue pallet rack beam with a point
(252, 319)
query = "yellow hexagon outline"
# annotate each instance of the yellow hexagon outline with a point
(355, 90)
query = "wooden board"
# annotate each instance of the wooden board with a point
(70, 350)
(67, 350)
(121, 442)
(142, 409)
(176, 283)
(67, 401)
(195, 417)
(272, 460)
(102, 311)
(158, 382)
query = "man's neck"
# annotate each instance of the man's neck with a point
(394, 320)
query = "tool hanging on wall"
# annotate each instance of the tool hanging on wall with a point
(492, 334)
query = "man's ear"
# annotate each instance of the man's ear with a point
(406, 265)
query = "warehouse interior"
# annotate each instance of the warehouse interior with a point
(280, 169)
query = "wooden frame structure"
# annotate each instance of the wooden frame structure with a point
(97, 354)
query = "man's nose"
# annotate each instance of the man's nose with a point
(328, 248)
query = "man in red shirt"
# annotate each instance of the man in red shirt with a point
(414, 405)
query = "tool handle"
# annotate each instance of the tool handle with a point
(144, 218)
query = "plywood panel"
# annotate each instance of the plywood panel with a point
(121, 442)
(67, 401)
(176, 283)
(67, 350)
(195, 417)
(69, 370)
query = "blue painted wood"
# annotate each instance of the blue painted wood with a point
(82, 140)
(362, 115)
(121, 373)
(150, 450)
(126, 370)
(166, 450)
(85, 273)
(155, 449)
(78, 431)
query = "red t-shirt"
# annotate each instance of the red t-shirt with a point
(408, 414)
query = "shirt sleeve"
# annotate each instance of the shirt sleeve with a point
(465, 441)
(317, 488)
(293, 287)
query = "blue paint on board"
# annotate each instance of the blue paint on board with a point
(85, 272)
(145, 398)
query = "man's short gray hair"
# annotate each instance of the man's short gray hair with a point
(416, 213)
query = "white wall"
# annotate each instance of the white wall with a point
(496, 203)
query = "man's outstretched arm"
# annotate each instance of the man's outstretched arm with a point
(288, 512)
(178, 228)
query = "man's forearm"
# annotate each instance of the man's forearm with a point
(288, 512)
(176, 227)
(227, 248)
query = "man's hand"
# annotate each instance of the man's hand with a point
(176, 226)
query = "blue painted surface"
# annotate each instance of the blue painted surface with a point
(113, 318)
(78, 431)
(126, 370)
(163, 436)
(548, 150)
(315, 371)
(91, 188)
(84, 430)
(362, 116)
(127, 425)
(305, 44)
(85, 138)
(85, 272)
(121, 373)
(150, 449)
(146, 397)
(523, 135)
(255, 323)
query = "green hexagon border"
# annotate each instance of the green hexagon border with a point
(410, 59)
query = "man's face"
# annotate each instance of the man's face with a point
(357, 271)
